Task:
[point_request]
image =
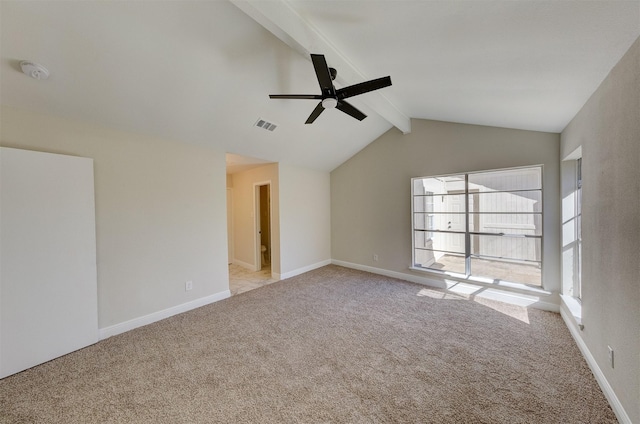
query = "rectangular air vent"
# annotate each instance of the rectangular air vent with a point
(262, 123)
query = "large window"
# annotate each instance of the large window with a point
(486, 224)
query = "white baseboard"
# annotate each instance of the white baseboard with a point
(302, 270)
(392, 274)
(617, 407)
(123, 327)
(462, 288)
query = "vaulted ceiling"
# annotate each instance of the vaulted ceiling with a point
(201, 71)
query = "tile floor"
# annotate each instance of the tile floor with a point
(242, 279)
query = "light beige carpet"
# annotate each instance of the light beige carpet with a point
(330, 346)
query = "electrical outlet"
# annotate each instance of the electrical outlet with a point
(375, 257)
(610, 356)
(188, 285)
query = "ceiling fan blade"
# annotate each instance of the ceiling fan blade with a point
(296, 96)
(363, 87)
(316, 112)
(349, 109)
(323, 74)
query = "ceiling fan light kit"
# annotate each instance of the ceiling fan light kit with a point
(329, 103)
(332, 98)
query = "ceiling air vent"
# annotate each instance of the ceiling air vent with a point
(266, 124)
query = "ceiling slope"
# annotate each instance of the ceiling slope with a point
(528, 64)
(202, 71)
(190, 71)
(285, 23)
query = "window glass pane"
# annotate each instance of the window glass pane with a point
(441, 261)
(438, 185)
(422, 203)
(447, 242)
(438, 221)
(525, 273)
(439, 241)
(529, 224)
(579, 201)
(519, 248)
(509, 179)
(520, 201)
(578, 289)
(439, 203)
(422, 221)
(421, 240)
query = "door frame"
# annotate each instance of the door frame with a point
(256, 223)
(230, 227)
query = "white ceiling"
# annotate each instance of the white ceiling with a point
(201, 71)
(240, 163)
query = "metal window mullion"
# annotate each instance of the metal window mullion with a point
(441, 213)
(453, 252)
(506, 213)
(506, 258)
(523, 190)
(446, 194)
(511, 235)
(440, 231)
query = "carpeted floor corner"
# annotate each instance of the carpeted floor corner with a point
(333, 345)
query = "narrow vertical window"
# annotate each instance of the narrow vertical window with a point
(571, 192)
(577, 290)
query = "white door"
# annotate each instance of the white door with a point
(48, 282)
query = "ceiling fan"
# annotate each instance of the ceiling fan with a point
(331, 97)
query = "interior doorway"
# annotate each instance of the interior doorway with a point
(252, 222)
(263, 225)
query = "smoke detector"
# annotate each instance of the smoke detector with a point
(34, 70)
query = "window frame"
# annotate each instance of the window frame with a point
(469, 234)
(577, 282)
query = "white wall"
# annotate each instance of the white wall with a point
(608, 130)
(305, 220)
(160, 212)
(244, 215)
(371, 192)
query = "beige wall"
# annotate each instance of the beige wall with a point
(300, 218)
(160, 212)
(608, 130)
(305, 219)
(244, 215)
(371, 193)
